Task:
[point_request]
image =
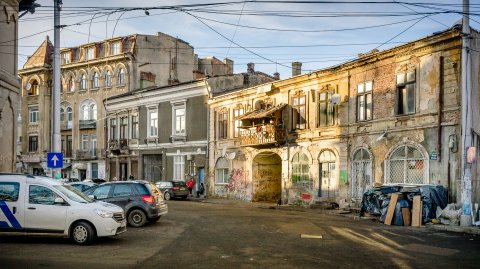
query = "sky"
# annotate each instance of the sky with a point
(271, 34)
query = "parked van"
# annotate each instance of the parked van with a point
(40, 205)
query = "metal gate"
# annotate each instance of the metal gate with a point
(328, 176)
(361, 173)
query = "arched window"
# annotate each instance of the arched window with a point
(362, 178)
(407, 164)
(121, 77)
(328, 178)
(108, 79)
(221, 171)
(69, 114)
(62, 114)
(300, 168)
(95, 80)
(84, 112)
(71, 84)
(33, 90)
(83, 82)
(93, 112)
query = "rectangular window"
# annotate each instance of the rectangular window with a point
(178, 168)
(179, 120)
(237, 113)
(33, 115)
(123, 127)
(364, 101)
(153, 123)
(222, 124)
(326, 110)
(93, 145)
(134, 127)
(221, 176)
(115, 48)
(69, 146)
(33, 143)
(94, 173)
(89, 53)
(298, 112)
(85, 142)
(113, 129)
(65, 57)
(406, 93)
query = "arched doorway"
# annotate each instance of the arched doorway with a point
(328, 177)
(267, 177)
(361, 173)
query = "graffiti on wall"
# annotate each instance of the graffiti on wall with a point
(238, 186)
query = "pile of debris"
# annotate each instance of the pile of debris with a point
(405, 205)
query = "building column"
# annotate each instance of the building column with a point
(140, 165)
(117, 168)
(129, 166)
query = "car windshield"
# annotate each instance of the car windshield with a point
(73, 194)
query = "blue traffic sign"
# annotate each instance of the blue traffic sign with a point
(54, 160)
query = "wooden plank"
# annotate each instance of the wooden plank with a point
(407, 218)
(417, 211)
(391, 209)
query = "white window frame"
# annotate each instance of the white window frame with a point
(33, 115)
(83, 82)
(179, 106)
(89, 53)
(121, 77)
(84, 142)
(150, 133)
(179, 167)
(115, 48)
(237, 123)
(93, 145)
(95, 80)
(134, 127)
(364, 91)
(108, 79)
(222, 172)
(69, 110)
(65, 57)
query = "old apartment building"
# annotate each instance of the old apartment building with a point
(90, 74)
(160, 133)
(389, 116)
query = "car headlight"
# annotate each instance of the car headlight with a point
(104, 213)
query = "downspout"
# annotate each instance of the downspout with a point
(208, 141)
(440, 108)
(105, 140)
(349, 188)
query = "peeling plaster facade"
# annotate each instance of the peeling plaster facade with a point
(408, 133)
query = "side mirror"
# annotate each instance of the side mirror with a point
(59, 200)
(91, 196)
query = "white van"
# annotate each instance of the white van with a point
(40, 205)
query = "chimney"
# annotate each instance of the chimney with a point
(250, 68)
(296, 68)
(229, 65)
(276, 76)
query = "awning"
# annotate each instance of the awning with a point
(261, 113)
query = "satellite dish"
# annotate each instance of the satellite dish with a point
(28, 86)
(335, 99)
(230, 156)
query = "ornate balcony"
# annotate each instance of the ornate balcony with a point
(262, 135)
(90, 154)
(66, 125)
(88, 124)
(118, 146)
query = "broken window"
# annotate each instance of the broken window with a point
(326, 110)
(364, 101)
(406, 93)
(298, 112)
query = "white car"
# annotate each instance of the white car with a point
(40, 205)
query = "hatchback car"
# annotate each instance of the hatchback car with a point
(141, 200)
(173, 189)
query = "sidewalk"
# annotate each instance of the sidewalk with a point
(345, 213)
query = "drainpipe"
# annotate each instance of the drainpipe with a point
(208, 141)
(440, 108)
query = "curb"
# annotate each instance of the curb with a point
(456, 229)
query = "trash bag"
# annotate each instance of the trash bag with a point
(450, 215)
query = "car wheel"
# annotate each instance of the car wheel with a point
(82, 233)
(137, 218)
(167, 196)
(154, 219)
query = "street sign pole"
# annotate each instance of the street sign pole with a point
(56, 147)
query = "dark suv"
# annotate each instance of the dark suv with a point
(140, 199)
(173, 189)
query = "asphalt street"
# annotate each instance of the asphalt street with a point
(245, 235)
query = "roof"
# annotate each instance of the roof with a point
(261, 113)
(43, 56)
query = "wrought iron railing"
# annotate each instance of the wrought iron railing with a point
(262, 135)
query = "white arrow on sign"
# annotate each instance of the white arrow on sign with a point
(54, 159)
